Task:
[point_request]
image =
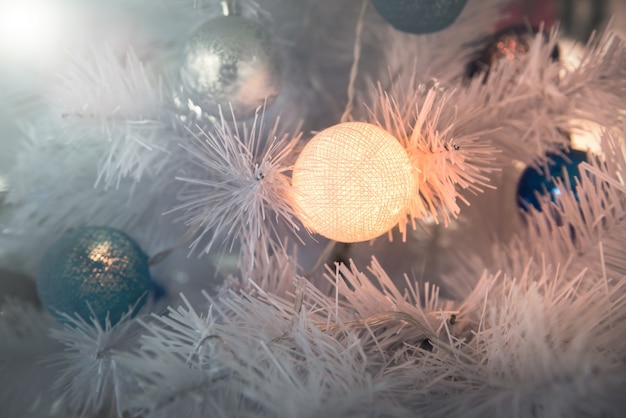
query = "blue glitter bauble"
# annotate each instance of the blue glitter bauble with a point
(419, 16)
(537, 181)
(93, 267)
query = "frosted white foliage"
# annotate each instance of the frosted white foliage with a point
(47, 195)
(103, 85)
(105, 96)
(182, 363)
(260, 344)
(60, 194)
(447, 155)
(569, 260)
(91, 378)
(243, 190)
(514, 346)
(274, 274)
(168, 387)
(547, 96)
(184, 329)
(596, 87)
(536, 354)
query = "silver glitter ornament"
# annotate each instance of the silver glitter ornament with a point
(231, 60)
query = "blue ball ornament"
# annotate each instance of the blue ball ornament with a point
(537, 181)
(420, 16)
(93, 272)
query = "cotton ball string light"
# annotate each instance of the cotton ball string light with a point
(93, 272)
(420, 16)
(231, 61)
(352, 182)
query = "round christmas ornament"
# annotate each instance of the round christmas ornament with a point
(420, 16)
(231, 60)
(352, 182)
(537, 181)
(507, 44)
(93, 272)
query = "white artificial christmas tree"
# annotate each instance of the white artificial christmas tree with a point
(472, 304)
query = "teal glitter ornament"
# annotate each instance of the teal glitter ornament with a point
(420, 16)
(93, 272)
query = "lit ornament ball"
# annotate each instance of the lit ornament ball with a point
(535, 182)
(97, 267)
(420, 16)
(231, 60)
(509, 44)
(352, 182)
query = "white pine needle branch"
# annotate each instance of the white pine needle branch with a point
(186, 333)
(91, 378)
(105, 97)
(537, 353)
(241, 190)
(447, 156)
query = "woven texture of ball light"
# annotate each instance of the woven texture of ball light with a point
(352, 182)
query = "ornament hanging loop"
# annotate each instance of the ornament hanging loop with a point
(229, 7)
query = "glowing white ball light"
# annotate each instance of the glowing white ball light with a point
(353, 182)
